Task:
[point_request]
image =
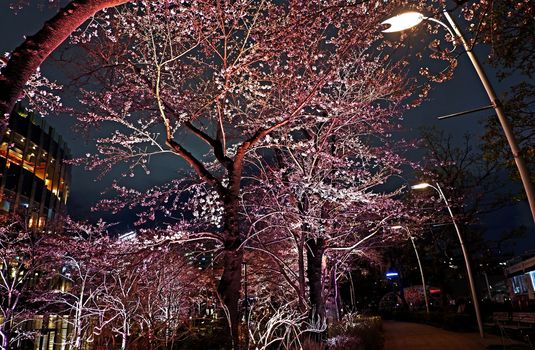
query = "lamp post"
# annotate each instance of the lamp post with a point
(463, 249)
(424, 288)
(410, 19)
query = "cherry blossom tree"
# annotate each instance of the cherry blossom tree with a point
(226, 74)
(22, 259)
(326, 189)
(297, 96)
(129, 293)
(149, 297)
(121, 301)
(80, 254)
(23, 63)
(280, 324)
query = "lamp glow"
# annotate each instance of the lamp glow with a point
(391, 274)
(403, 21)
(420, 186)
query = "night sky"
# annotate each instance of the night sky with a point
(459, 94)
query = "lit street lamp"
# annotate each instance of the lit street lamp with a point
(410, 19)
(463, 248)
(424, 288)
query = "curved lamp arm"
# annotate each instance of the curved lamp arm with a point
(411, 19)
(424, 287)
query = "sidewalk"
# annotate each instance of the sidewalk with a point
(414, 336)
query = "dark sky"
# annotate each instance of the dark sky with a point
(463, 92)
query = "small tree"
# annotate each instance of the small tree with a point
(80, 254)
(22, 273)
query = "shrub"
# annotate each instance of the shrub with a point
(356, 332)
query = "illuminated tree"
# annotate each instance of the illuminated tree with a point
(23, 62)
(166, 75)
(326, 191)
(22, 259)
(226, 74)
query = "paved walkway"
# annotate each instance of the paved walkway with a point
(414, 336)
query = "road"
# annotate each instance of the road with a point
(414, 336)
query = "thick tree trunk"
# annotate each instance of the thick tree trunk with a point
(26, 58)
(230, 283)
(229, 290)
(315, 250)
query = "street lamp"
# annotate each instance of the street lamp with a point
(411, 19)
(463, 248)
(398, 227)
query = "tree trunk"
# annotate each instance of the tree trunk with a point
(124, 334)
(302, 279)
(26, 58)
(229, 290)
(315, 249)
(230, 283)
(4, 333)
(332, 304)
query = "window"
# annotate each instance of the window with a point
(519, 285)
(532, 277)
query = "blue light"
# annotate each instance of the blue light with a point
(392, 274)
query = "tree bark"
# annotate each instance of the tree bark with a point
(4, 333)
(315, 250)
(301, 264)
(229, 290)
(230, 284)
(26, 58)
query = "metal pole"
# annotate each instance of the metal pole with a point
(467, 263)
(488, 285)
(421, 271)
(352, 288)
(458, 114)
(506, 127)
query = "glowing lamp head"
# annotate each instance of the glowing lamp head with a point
(420, 186)
(403, 21)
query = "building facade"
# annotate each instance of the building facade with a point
(34, 179)
(521, 282)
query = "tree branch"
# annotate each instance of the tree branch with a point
(26, 58)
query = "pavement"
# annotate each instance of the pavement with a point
(414, 336)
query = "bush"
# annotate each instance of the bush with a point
(356, 332)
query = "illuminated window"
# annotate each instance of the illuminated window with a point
(519, 285)
(532, 277)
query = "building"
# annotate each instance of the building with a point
(34, 179)
(521, 282)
